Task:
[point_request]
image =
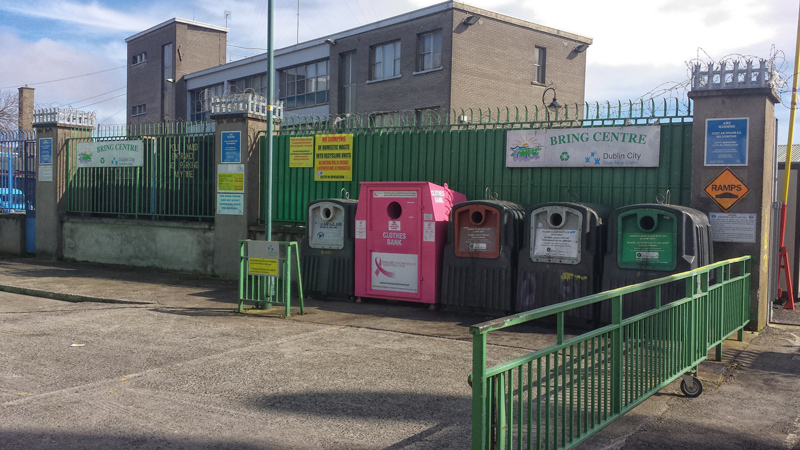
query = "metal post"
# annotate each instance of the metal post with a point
(267, 163)
(479, 394)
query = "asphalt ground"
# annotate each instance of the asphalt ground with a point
(140, 359)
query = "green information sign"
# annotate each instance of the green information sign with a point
(648, 249)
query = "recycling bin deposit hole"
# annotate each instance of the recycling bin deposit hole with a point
(556, 220)
(647, 223)
(327, 214)
(394, 210)
(476, 217)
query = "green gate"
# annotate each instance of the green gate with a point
(175, 180)
(470, 158)
(558, 396)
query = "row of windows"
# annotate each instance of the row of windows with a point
(385, 58)
(305, 85)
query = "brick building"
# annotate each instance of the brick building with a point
(441, 58)
(158, 59)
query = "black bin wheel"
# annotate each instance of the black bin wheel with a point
(692, 391)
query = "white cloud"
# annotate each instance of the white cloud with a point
(91, 15)
(57, 60)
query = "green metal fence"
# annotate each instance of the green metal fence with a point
(558, 396)
(176, 180)
(470, 158)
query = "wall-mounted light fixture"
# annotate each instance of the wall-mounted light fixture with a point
(471, 20)
(554, 104)
(330, 41)
(580, 48)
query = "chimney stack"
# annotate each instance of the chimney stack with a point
(25, 108)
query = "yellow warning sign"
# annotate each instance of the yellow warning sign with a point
(262, 266)
(726, 189)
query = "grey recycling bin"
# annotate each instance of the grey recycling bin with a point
(327, 252)
(650, 241)
(480, 258)
(562, 256)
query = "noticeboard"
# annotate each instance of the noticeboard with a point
(726, 142)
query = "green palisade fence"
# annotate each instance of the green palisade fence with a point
(176, 180)
(471, 158)
(556, 397)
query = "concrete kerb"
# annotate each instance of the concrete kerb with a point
(72, 298)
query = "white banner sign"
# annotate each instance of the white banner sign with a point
(631, 146)
(111, 154)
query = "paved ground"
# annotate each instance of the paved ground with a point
(173, 366)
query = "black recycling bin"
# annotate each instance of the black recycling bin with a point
(650, 241)
(562, 256)
(327, 252)
(480, 258)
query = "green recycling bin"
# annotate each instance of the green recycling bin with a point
(650, 241)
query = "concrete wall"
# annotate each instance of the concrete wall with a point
(165, 245)
(12, 234)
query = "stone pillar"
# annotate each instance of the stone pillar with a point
(51, 185)
(25, 105)
(230, 226)
(758, 105)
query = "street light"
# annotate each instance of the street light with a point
(553, 104)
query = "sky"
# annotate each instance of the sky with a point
(73, 52)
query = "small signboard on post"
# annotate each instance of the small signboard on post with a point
(231, 147)
(726, 142)
(263, 258)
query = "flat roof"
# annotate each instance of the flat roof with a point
(177, 20)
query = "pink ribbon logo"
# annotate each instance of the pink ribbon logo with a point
(381, 270)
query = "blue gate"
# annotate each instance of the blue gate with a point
(18, 179)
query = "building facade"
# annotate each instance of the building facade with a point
(158, 60)
(439, 59)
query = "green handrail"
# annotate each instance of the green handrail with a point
(558, 396)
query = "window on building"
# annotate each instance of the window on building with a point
(427, 116)
(430, 51)
(139, 110)
(304, 86)
(198, 101)
(258, 83)
(138, 59)
(347, 82)
(167, 65)
(386, 120)
(539, 59)
(385, 61)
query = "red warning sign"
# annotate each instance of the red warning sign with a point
(726, 189)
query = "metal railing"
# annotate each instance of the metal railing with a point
(64, 116)
(586, 114)
(175, 180)
(265, 292)
(558, 396)
(243, 103)
(731, 75)
(18, 170)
